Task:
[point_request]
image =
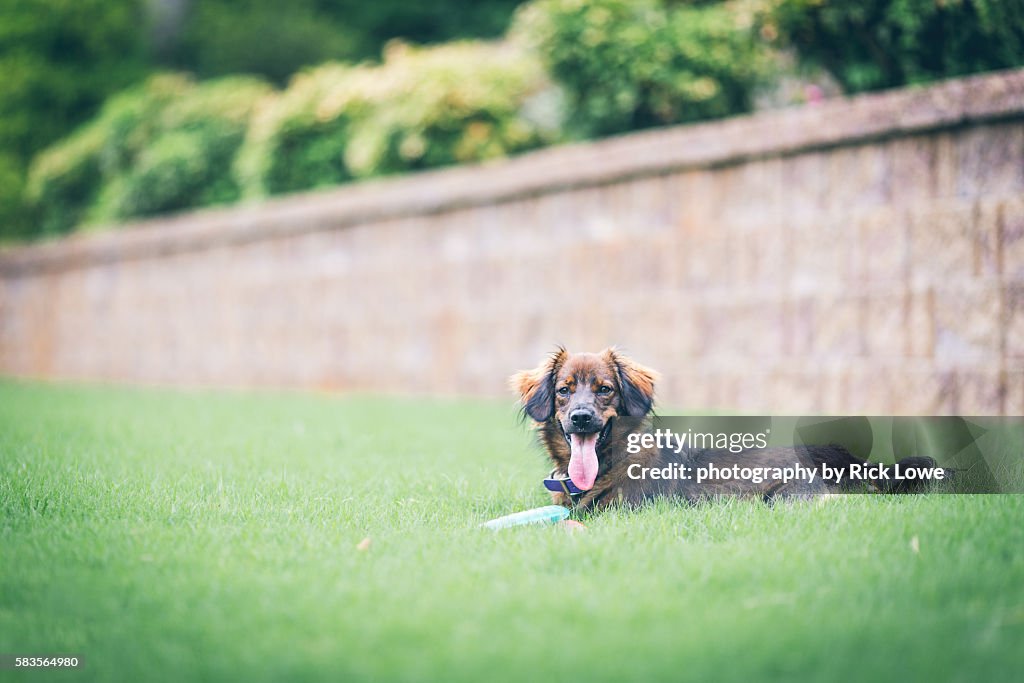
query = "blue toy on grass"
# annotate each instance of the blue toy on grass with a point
(549, 514)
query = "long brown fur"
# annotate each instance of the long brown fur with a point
(615, 386)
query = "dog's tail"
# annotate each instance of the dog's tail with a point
(885, 478)
(910, 485)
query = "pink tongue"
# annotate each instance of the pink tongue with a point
(583, 460)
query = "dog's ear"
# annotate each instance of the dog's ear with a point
(636, 384)
(536, 388)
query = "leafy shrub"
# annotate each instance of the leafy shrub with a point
(421, 108)
(188, 162)
(871, 44)
(293, 142)
(14, 220)
(167, 144)
(64, 180)
(132, 119)
(630, 64)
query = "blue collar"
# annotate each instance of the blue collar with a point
(563, 486)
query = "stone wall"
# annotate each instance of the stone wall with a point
(859, 256)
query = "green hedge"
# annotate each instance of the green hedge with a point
(630, 64)
(64, 180)
(421, 108)
(165, 145)
(15, 219)
(188, 161)
(871, 44)
(569, 69)
(172, 144)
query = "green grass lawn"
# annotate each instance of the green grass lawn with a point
(193, 536)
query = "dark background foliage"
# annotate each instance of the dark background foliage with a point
(872, 44)
(275, 39)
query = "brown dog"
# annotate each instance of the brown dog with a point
(577, 400)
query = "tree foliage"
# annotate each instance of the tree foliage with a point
(59, 59)
(872, 44)
(275, 39)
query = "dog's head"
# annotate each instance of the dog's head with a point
(579, 393)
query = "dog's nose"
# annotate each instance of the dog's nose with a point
(581, 418)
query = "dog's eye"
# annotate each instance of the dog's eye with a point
(564, 391)
(604, 389)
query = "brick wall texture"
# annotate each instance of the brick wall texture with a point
(861, 256)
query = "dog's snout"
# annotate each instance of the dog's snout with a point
(581, 418)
